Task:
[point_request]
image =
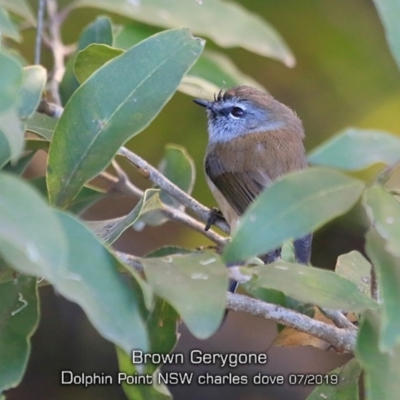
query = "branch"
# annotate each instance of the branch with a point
(122, 184)
(39, 31)
(58, 49)
(374, 285)
(161, 181)
(338, 319)
(340, 338)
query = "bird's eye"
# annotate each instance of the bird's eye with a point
(237, 112)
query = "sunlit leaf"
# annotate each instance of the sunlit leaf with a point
(19, 314)
(384, 213)
(89, 133)
(354, 149)
(34, 79)
(381, 369)
(290, 208)
(356, 268)
(92, 58)
(31, 242)
(98, 31)
(310, 285)
(21, 8)
(387, 269)
(161, 323)
(346, 388)
(7, 27)
(212, 72)
(388, 11)
(10, 81)
(12, 133)
(211, 18)
(183, 281)
(91, 279)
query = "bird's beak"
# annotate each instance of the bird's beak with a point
(203, 103)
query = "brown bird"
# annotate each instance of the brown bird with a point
(253, 140)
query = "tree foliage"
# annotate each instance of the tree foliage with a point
(113, 84)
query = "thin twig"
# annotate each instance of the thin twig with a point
(176, 215)
(58, 49)
(161, 181)
(39, 31)
(130, 260)
(122, 184)
(338, 319)
(344, 339)
(374, 285)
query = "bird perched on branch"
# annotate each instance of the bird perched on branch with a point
(253, 140)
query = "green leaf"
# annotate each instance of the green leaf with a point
(346, 387)
(354, 267)
(195, 285)
(381, 369)
(161, 322)
(92, 58)
(5, 151)
(290, 208)
(388, 11)
(211, 18)
(354, 149)
(42, 125)
(130, 34)
(21, 8)
(212, 72)
(10, 81)
(11, 130)
(32, 242)
(98, 31)
(144, 391)
(7, 27)
(91, 280)
(110, 230)
(32, 144)
(34, 79)
(89, 133)
(6, 272)
(21, 165)
(387, 268)
(268, 295)
(384, 213)
(87, 196)
(168, 250)
(179, 168)
(19, 316)
(310, 285)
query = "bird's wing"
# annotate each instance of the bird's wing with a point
(238, 188)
